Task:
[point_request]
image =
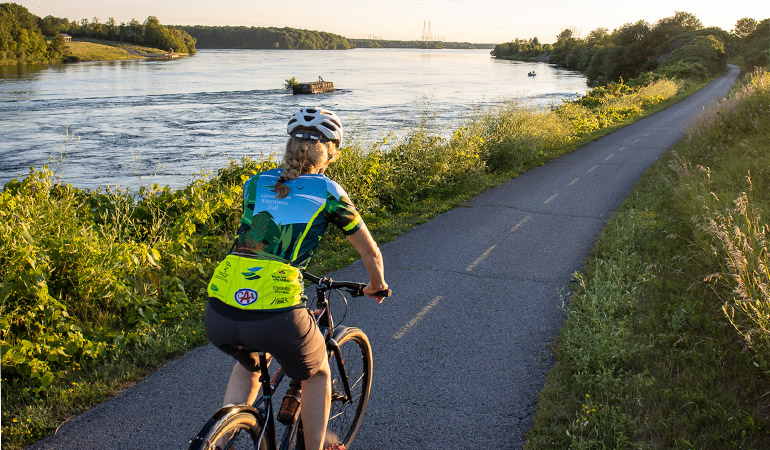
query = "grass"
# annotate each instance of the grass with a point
(94, 50)
(102, 287)
(665, 342)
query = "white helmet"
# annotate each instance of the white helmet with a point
(322, 120)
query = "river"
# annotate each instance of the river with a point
(134, 123)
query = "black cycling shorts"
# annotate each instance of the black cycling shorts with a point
(292, 337)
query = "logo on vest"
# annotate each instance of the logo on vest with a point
(246, 297)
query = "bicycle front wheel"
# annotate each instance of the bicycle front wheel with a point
(347, 412)
(235, 427)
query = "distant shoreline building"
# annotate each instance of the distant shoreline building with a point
(66, 37)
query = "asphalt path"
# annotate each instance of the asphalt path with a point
(462, 349)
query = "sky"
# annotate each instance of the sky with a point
(476, 21)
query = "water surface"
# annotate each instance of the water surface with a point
(140, 122)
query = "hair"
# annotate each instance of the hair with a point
(302, 157)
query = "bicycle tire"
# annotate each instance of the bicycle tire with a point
(346, 415)
(242, 422)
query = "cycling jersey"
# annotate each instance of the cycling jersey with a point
(276, 239)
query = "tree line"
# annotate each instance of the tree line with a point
(677, 46)
(149, 33)
(27, 38)
(265, 38)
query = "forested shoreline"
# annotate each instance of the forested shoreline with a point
(678, 46)
(28, 39)
(240, 37)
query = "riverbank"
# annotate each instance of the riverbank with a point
(95, 50)
(666, 343)
(103, 287)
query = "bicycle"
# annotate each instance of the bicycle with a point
(243, 426)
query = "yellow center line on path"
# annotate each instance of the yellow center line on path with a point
(609, 157)
(522, 222)
(551, 198)
(416, 319)
(573, 182)
(480, 258)
(591, 169)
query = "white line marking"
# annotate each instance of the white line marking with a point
(522, 222)
(416, 319)
(622, 148)
(635, 141)
(551, 198)
(480, 258)
(609, 157)
(591, 169)
(573, 182)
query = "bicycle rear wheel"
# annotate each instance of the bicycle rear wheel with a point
(347, 413)
(235, 427)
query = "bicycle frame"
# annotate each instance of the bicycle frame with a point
(264, 403)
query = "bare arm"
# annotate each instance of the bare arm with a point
(370, 254)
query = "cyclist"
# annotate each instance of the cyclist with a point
(256, 298)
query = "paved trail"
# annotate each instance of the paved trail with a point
(461, 350)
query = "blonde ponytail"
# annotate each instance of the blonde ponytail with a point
(302, 157)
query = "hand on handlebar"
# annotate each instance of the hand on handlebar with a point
(378, 293)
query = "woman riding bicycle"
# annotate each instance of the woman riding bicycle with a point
(256, 298)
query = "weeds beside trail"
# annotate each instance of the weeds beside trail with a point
(100, 287)
(667, 338)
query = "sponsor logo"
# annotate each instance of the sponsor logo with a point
(280, 300)
(214, 288)
(281, 278)
(251, 273)
(282, 289)
(246, 297)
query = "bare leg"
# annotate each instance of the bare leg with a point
(242, 387)
(316, 397)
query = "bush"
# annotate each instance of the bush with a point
(684, 71)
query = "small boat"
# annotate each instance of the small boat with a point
(531, 74)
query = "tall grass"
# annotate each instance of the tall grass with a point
(100, 286)
(737, 212)
(665, 342)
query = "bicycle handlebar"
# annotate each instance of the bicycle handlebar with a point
(355, 289)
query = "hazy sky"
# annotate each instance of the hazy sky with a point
(478, 21)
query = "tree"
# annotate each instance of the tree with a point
(52, 26)
(21, 40)
(565, 35)
(744, 27)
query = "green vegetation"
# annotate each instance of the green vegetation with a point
(751, 44)
(667, 337)
(290, 83)
(108, 51)
(676, 46)
(101, 286)
(150, 33)
(21, 40)
(265, 38)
